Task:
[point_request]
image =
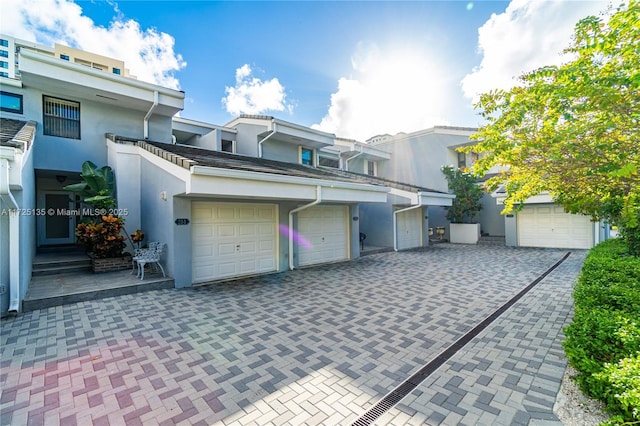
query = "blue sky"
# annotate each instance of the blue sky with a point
(356, 69)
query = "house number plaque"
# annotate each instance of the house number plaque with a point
(182, 221)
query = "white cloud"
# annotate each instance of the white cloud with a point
(395, 90)
(252, 95)
(528, 35)
(147, 53)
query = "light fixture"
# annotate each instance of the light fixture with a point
(61, 178)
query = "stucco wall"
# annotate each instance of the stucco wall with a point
(4, 260)
(491, 221)
(418, 159)
(96, 119)
(26, 243)
(27, 199)
(157, 218)
(247, 139)
(274, 149)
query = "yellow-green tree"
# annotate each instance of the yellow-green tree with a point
(574, 130)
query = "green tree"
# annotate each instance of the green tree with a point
(467, 203)
(573, 130)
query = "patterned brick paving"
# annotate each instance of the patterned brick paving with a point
(312, 346)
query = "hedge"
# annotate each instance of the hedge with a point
(603, 340)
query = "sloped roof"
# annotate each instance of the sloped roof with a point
(187, 156)
(16, 133)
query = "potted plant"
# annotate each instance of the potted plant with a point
(465, 207)
(100, 233)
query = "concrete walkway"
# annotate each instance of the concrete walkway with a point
(312, 346)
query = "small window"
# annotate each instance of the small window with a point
(4, 42)
(372, 168)
(227, 146)
(306, 156)
(116, 71)
(11, 102)
(462, 160)
(334, 163)
(64, 57)
(61, 118)
(4, 54)
(4, 74)
(4, 64)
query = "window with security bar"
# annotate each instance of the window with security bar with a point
(61, 118)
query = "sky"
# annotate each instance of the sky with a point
(353, 68)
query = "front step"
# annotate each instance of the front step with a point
(60, 263)
(60, 249)
(489, 240)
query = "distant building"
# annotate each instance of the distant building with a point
(10, 48)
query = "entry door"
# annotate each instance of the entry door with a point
(57, 224)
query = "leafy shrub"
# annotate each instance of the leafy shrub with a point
(610, 278)
(603, 340)
(102, 238)
(623, 390)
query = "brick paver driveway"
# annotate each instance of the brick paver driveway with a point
(312, 346)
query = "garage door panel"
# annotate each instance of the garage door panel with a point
(326, 230)
(550, 226)
(224, 230)
(198, 214)
(247, 229)
(266, 265)
(264, 229)
(232, 239)
(202, 231)
(248, 266)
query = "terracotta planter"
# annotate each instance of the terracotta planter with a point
(111, 263)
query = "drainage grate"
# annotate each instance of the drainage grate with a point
(405, 388)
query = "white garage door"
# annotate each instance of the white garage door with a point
(547, 225)
(409, 224)
(324, 232)
(231, 240)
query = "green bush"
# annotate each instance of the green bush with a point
(623, 390)
(603, 340)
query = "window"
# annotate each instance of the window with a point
(10, 102)
(4, 74)
(462, 160)
(4, 64)
(306, 156)
(372, 168)
(4, 54)
(228, 146)
(64, 57)
(329, 162)
(4, 42)
(61, 118)
(116, 71)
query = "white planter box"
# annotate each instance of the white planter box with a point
(464, 233)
